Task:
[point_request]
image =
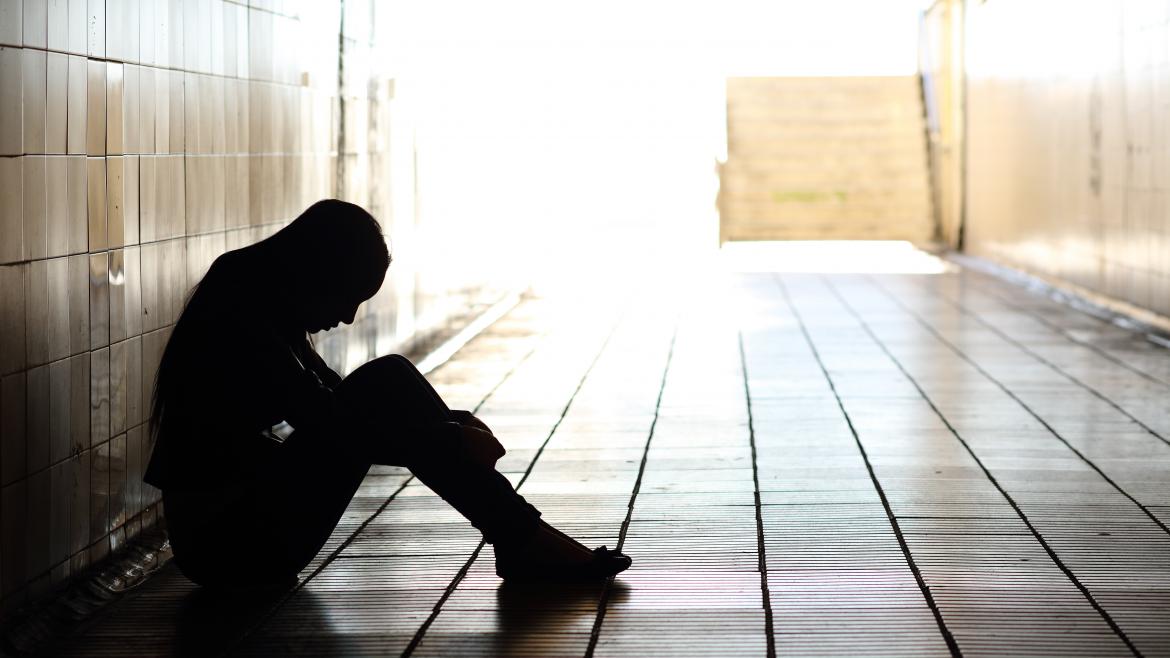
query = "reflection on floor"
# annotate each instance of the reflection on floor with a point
(802, 464)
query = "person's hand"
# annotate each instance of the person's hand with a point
(480, 446)
(468, 419)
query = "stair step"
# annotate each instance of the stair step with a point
(818, 158)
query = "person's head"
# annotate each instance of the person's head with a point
(332, 258)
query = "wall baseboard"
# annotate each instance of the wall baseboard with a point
(1155, 326)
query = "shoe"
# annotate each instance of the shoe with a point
(605, 563)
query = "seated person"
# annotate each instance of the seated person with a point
(245, 508)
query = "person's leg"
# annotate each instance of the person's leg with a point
(263, 531)
(418, 433)
(392, 390)
(410, 371)
(287, 512)
(308, 491)
(526, 547)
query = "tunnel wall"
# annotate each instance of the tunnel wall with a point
(1068, 126)
(138, 141)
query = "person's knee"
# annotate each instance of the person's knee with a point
(397, 365)
(400, 360)
(387, 383)
(389, 369)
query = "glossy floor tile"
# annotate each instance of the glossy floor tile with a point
(799, 464)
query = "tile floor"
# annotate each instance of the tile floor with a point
(799, 465)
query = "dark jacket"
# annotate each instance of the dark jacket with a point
(232, 375)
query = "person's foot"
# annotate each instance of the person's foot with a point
(551, 555)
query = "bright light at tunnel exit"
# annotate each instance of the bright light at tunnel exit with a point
(578, 143)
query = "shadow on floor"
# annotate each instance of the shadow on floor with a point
(208, 621)
(527, 619)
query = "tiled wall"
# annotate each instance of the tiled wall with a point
(139, 139)
(1069, 142)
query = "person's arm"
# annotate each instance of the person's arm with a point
(281, 382)
(316, 407)
(313, 361)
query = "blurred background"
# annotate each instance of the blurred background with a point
(579, 151)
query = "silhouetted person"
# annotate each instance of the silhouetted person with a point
(245, 508)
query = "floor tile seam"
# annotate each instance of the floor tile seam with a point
(279, 604)
(1003, 387)
(417, 638)
(1058, 330)
(769, 622)
(1027, 350)
(924, 588)
(1104, 614)
(603, 602)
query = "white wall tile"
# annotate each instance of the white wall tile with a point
(78, 31)
(36, 23)
(77, 204)
(11, 22)
(131, 110)
(147, 102)
(96, 28)
(57, 204)
(58, 25)
(35, 99)
(56, 301)
(147, 183)
(95, 110)
(99, 300)
(130, 199)
(11, 209)
(36, 296)
(37, 423)
(12, 314)
(115, 90)
(95, 173)
(36, 226)
(60, 413)
(77, 97)
(56, 102)
(116, 29)
(115, 229)
(147, 27)
(11, 102)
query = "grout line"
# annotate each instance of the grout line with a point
(948, 637)
(349, 540)
(987, 473)
(1016, 398)
(769, 624)
(1052, 366)
(595, 633)
(462, 573)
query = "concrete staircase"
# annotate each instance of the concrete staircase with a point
(825, 159)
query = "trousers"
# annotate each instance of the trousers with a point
(272, 526)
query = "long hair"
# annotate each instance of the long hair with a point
(330, 237)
